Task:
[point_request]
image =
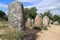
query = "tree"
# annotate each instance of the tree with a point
(42, 14)
(30, 12)
(33, 12)
(48, 13)
(56, 18)
(26, 11)
(3, 15)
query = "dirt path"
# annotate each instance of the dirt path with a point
(53, 33)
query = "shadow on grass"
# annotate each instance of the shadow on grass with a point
(32, 34)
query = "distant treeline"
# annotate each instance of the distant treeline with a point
(31, 13)
(54, 17)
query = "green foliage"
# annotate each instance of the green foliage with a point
(45, 28)
(33, 12)
(4, 24)
(56, 18)
(37, 28)
(6, 18)
(15, 35)
(52, 17)
(42, 14)
(3, 16)
(48, 13)
(30, 12)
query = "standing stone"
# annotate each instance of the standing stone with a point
(32, 20)
(16, 15)
(29, 23)
(38, 21)
(45, 21)
(56, 23)
(51, 22)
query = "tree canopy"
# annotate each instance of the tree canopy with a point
(56, 18)
(52, 17)
(30, 12)
(3, 15)
(48, 13)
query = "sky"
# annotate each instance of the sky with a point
(41, 5)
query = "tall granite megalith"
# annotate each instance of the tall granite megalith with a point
(16, 15)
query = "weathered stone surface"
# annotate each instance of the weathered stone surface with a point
(45, 21)
(51, 22)
(16, 15)
(56, 23)
(38, 21)
(29, 23)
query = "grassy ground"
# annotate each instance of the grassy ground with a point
(53, 32)
(7, 34)
(4, 24)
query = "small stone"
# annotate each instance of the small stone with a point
(29, 23)
(51, 22)
(56, 23)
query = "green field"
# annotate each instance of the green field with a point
(4, 24)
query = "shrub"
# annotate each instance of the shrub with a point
(45, 28)
(37, 28)
(16, 35)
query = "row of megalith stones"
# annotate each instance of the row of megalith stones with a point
(44, 21)
(38, 22)
(17, 21)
